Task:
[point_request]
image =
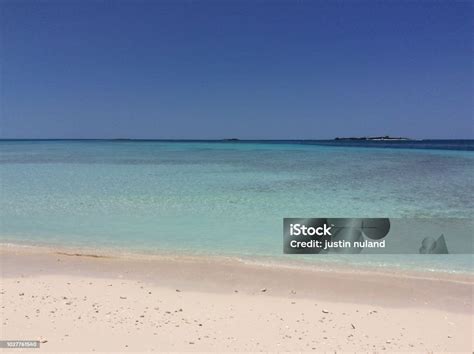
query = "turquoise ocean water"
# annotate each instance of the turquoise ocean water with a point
(225, 198)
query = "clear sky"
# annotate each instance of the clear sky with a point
(244, 69)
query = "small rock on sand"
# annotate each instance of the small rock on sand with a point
(325, 311)
(263, 290)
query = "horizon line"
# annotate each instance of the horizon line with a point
(239, 139)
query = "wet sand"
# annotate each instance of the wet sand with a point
(82, 302)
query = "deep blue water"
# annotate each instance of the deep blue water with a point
(459, 144)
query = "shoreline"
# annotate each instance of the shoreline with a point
(326, 264)
(178, 303)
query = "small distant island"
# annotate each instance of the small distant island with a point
(375, 138)
(231, 139)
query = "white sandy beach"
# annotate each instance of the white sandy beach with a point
(82, 303)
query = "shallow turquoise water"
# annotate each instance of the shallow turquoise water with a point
(224, 198)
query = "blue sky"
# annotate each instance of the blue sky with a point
(245, 69)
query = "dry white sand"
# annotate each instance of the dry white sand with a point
(114, 304)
